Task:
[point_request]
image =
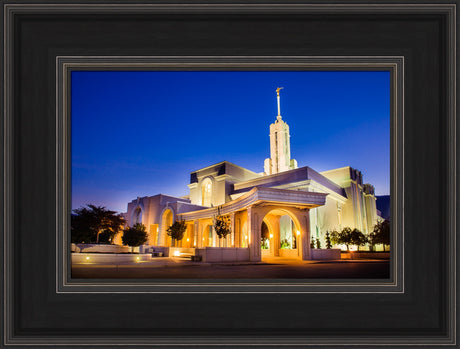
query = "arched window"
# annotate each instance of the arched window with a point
(206, 192)
(137, 215)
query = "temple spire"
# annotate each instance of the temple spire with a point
(280, 146)
(278, 97)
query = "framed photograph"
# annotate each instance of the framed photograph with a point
(273, 217)
(188, 126)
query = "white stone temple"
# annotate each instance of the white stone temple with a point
(293, 204)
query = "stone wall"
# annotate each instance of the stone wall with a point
(99, 248)
(289, 253)
(111, 258)
(223, 254)
(367, 255)
(325, 254)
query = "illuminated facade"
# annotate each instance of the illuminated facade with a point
(290, 206)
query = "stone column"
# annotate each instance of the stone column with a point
(304, 219)
(215, 238)
(232, 229)
(162, 237)
(237, 232)
(196, 227)
(276, 235)
(254, 234)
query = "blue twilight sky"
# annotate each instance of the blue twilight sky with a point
(142, 133)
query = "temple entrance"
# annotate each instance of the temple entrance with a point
(166, 222)
(280, 235)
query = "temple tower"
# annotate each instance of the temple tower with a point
(280, 146)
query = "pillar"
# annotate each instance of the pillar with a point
(304, 219)
(254, 234)
(161, 236)
(232, 229)
(196, 228)
(238, 232)
(215, 238)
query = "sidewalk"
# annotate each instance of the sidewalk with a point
(162, 262)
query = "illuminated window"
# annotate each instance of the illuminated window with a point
(206, 192)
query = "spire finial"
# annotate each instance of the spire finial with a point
(278, 97)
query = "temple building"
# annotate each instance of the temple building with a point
(288, 205)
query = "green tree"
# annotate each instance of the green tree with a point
(88, 223)
(222, 226)
(342, 237)
(105, 237)
(312, 242)
(134, 236)
(358, 238)
(380, 233)
(328, 241)
(318, 244)
(177, 231)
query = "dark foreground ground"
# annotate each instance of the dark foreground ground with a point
(175, 268)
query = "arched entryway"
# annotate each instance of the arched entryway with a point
(167, 219)
(280, 235)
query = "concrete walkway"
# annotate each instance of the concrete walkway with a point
(180, 261)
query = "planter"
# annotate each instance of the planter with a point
(325, 254)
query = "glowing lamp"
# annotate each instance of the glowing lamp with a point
(87, 258)
(298, 233)
(271, 236)
(176, 253)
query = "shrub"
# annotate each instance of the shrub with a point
(177, 231)
(318, 244)
(222, 226)
(134, 236)
(328, 241)
(285, 244)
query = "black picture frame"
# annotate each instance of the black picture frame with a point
(38, 311)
